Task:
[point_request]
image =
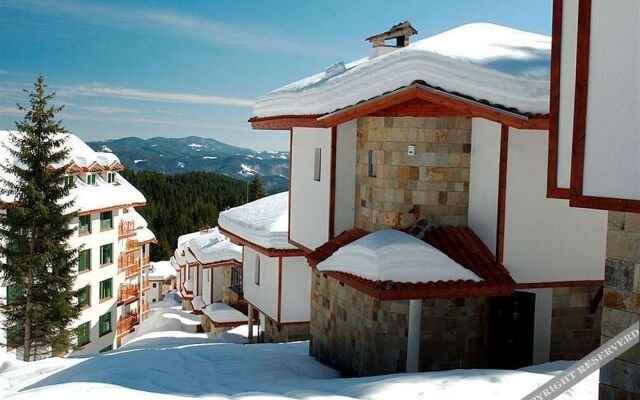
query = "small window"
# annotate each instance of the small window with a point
(69, 180)
(111, 177)
(317, 164)
(257, 271)
(153, 300)
(108, 348)
(106, 220)
(105, 323)
(84, 222)
(155, 285)
(83, 334)
(91, 179)
(106, 288)
(106, 254)
(373, 162)
(84, 296)
(84, 260)
(15, 293)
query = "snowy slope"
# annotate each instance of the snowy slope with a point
(484, 61)
(169, 364)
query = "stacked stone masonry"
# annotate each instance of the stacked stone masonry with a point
(433, 182)
(274, 333)
(620, 379)
(361, 335)
(575, 329)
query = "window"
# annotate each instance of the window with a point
(85, 224)
(83, 334)
(236, 279)
(69, 180)
(84, 260)
(106, 220)
(257, 271)
(91, 179)
(153, 300)
(105, 288)
(15, 335)
(106, 254)
(84, 296)
(104, 323)
(111, 177)
(155, 285)
(373, 162)
(317, 164)
(108, 348)
(15, 292)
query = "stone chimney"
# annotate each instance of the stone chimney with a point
(395, 38)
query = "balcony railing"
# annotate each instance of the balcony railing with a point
(127, 292)
(126, 229)
(145, 284)
(145, 307)
(126, 322)
(132, 244)
(146, 260)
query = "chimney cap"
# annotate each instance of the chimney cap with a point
(400, 32)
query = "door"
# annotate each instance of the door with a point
(511, 331)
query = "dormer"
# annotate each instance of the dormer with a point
(395, 38)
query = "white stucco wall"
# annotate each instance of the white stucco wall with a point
(567, 90)
(265, 295)
(309, 223)
(346, 137)
(296, 290)
(483, 180)
(612, 144)
(545, 239)
(207, 275)
(217, 285)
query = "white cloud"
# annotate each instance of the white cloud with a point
(109, 110)
(11, 111)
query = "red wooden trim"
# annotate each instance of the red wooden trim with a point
(553, 191)
(535, 285)
(578, 199)
(211, 275)
(260, 249)
(279, 289)
(286, 122)
(301, 247)
(332, 183)
(502, 192)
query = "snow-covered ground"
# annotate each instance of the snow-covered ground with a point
(166, 359)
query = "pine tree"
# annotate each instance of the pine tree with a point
(36, 230)
(256, 190)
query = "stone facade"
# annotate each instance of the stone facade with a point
(620, 379)
(361, 335)
(575, 330)
(434, 182)
(274, 333)
(228, 296)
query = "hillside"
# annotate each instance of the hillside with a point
(176, 155)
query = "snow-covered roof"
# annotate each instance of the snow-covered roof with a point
(222, 313)
(132, 215)
(197, 303)
(174, 263)
(178, 255)
(211, 247)
(145, 235)
(493, 63)
(391, 255)
(161, 270)
(102, 195)
(264, 222)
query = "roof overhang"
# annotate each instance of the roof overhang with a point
(269, 252)
(415, 100)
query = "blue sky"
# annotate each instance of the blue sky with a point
(180, 68)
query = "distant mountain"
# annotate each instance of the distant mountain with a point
(175, 155)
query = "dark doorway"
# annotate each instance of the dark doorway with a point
(511, 331)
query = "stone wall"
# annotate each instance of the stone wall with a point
(360, 335)
(274, 333)
(434, 182)
(575, 330)
(620, 379)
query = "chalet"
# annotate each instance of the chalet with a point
(453, 130)
(276, 278)
(594, 143)
(161, 280)
(114, 241)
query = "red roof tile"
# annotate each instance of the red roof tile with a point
(459, 243)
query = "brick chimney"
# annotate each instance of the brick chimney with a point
(395, 38)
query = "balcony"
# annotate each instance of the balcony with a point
(145, 284)
(129, 264)
(126, 229)
(132, 244)
(146, 260)
(127, 293)
(126, 322)
(145, 307)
